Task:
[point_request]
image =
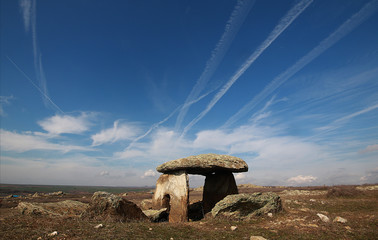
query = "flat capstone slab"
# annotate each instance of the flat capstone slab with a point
(204, 164)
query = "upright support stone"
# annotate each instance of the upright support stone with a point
(172, 192)
(217, 186)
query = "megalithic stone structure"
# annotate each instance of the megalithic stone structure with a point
(172, 187)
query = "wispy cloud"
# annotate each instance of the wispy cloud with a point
(4, 100)
(59, 124)
(119, 131)
(350, 24)
(232, 27)
(26, 10)
(370, 148)
(23, 142)
(29, 14)
(285, 22)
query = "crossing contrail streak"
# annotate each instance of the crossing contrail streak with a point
(156, 125)
(232, 27)
(366, 11)
(36, 86)
(285, 22)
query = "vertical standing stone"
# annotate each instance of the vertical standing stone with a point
(172, 192)
(217, 186)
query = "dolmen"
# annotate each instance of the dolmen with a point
(172, 187)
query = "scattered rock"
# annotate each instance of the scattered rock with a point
(244, 206)
(109, 207)
(340, 220)
(270, 215)
(53, 234)
(312, 225)
(312, 200)
(322, 217)
(59, 193)
(35, 195)
(99, 226)
(233, 228)
(157, 215)
(124, 195)
(257, 238)
(303, 192)
(150, 229)
(348, 228)
(367, 188)
(146, 204)
(64, 208)
(204, 164)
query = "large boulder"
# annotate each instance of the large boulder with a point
(157, 215)
(204, 164)
(63, 208)
(109, 207)
(245, 206)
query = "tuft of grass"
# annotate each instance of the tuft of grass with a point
(343, 192)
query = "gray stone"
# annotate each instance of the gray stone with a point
(109, 207)
(245, 206)
(157, 215)
(204, 164)
(63, 208)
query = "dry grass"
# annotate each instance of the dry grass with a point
(297, 221)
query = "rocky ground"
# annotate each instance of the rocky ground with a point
(343, 212)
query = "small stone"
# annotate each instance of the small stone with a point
(322, 217)
(53, 234)
(340, 220)
(150, 229)
(312, 225)
(312, 200)
(99, 226)
(257, 238)
(348, 228)
(233, 228)
(270, 214)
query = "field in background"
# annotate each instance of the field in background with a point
(299, 220)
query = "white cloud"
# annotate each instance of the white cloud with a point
(117, 133)
(104, 173)
(23, 142)
(300, 179)
(149, 173)
(370, 148)
(4, 100)
(240, 176)
(370, 176)
(59, 124)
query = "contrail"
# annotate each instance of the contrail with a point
(29, 12)
(285, 22)
(232, 27)
(155, 125)
(38, 88)
(350, 24)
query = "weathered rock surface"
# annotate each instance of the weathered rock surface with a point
(323, 217)
(157, 215)
(63, 208)
(218, 186)
(109, 207)
(204, 164)
(340, 220)
(146, 204)
(245, 206)
(172, 192)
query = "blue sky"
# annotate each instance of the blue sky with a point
(102, 92)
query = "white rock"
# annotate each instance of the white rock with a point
(53, 234)
(150, 229)
(312, 200)
(322, 217)
(340, 220)
(99, 226)
(270, 214)
(257, 238)
(233, 228)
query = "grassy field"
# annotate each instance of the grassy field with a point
(298, 220)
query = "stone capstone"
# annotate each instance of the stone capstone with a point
(172, 192)
(217, 186)
(245, 206)
(109, 207)
(204, 164)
